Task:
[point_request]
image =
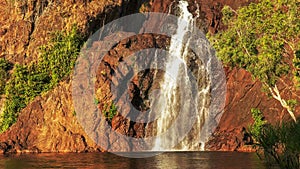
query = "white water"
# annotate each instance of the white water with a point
(177, 91)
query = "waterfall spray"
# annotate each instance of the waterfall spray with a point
(171, 100)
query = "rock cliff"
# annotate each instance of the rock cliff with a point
(49, 124)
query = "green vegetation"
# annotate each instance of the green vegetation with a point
(56, 62)
(258, 124)
(5, 66)
(110, 111)
(59, 56)
(96, 101)
(264, 39)
(279, 144)
(25, 84)
(260, 38)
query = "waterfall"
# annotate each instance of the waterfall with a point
(176, 91)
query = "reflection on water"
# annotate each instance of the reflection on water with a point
(202, 160)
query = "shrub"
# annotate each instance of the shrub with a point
(258, 124)
(59, 56)
(278, 143)
(110, 111)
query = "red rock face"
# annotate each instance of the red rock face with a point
(49, 124)
(139, 86)
(243, 94)
(210, 10)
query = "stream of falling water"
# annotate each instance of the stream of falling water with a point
(177, 95)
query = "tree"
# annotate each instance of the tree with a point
(260, 38)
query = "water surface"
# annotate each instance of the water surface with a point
(201, 160)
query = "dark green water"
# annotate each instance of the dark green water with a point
(182, 160)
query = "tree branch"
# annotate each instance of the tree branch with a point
(246, 50)
(276, 95)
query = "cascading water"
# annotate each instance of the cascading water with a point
(176, 91)
(170, 102)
